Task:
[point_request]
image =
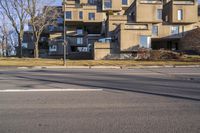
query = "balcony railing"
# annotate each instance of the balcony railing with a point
(183, 2)
(151, 1)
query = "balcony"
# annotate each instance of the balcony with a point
(135, 26)
(151, 1)
(183, 2)
(118, 17)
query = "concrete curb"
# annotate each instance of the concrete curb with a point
(107, 67)
(166, 66)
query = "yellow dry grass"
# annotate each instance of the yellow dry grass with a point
(189, 60)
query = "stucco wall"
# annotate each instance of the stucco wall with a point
(101, 50)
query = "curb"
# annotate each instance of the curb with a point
(167, 66)
(107, 67)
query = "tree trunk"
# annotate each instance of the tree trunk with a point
(36, 51)
(20, 47)
(6, 47)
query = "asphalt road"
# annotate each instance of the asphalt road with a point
(165, 100)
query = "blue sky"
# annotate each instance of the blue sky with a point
(58, 2)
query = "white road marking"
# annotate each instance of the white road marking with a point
(50, 90)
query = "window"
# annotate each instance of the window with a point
(80, 15)
(79, 40)
(180, 14)
(91, 16)
(24, 45)
(60, 28)
(145, 41)
(107, 4)
(154, 30)
(166, 18)
(159, 14)
(91, 1)
(82, 49)
(79, 31)
(51, 28)
(60, 20)
(68, 15)
(124, 2)
(43, 39)
(174, 30)
(53, 48)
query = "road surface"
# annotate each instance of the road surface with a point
(159, 100)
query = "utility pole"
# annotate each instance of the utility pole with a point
(64, 34)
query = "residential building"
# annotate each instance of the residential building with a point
(51, 39)
(97, 29)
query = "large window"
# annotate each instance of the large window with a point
(107, 4)
(91, 16)
(124, 2)
(174, 30)
(68, 15)
(180, 14)
(80, 15)
(145, 41)
(79, 40)
(159, 14)
(154, 30)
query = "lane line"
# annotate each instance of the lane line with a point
(50, 90)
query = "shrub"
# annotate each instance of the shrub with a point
(148, 54)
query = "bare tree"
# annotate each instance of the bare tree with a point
(41, 17)
(4, 39)
(17, 15)
(8, 38)
(5, 33)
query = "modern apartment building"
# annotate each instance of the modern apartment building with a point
(96, 29)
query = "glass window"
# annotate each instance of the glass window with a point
(180, 14)
(91, 1)
(107, 4)
(145, 41)
(53, 48)
(124, 2)
(91, 16)
(80, 15)
(82, 49)
(159, 14)
(79, 40)
(59, 20)
(174, 30)
(51, 28)
(24, 45)
(155, 30)
(79, 31)
(166, 18)
(68, 15)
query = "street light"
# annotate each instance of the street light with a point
(64, 34)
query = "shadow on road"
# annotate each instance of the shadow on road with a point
(145, 88)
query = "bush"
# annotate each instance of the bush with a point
(148, 54)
